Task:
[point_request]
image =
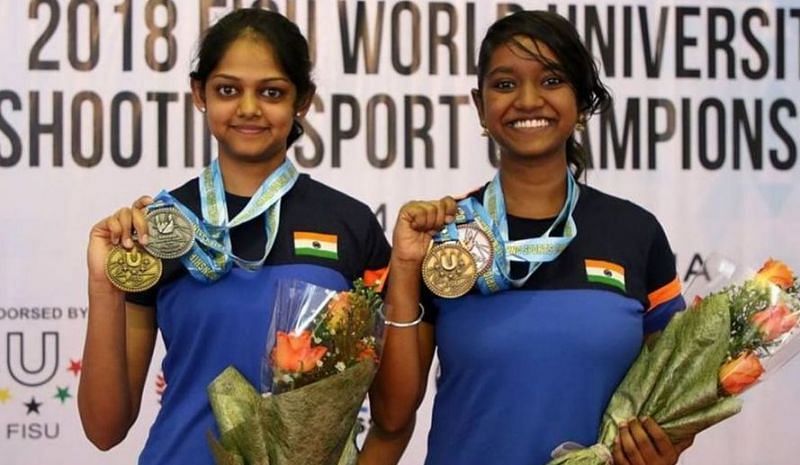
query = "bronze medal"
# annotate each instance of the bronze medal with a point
(171, 233)
(478, 244)
(132, 270)
(449, 270)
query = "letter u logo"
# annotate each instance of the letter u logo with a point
(20, 371)
(133, 258)
(449, 261)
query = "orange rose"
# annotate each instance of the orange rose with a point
(774, 321)
(737, 375)
(777, 273)
(295, 354)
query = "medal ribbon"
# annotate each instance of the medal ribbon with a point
(212, 255)
(490, 215)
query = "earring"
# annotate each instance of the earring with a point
(580, 126)
(484, 131)
(202, 109)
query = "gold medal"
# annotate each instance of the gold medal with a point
(132, 270)
(478, 244)
(449, 270)
(171, 234)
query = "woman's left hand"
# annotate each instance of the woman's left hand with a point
(646, 443)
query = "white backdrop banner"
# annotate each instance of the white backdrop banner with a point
(95, 110)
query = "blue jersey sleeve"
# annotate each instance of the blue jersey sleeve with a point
(663, 284)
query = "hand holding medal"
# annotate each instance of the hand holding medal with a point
(113, 253)
(449, 266)
(475, 249)
(154, 230)
(463, 252)
(133, 263)
(417, 222)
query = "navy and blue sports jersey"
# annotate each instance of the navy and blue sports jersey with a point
(524, 370)
(207, 327)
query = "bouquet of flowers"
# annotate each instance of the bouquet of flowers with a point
(323, 349)
(689, 377)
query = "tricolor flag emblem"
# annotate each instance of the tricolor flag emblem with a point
(610, 274)
(316, 245)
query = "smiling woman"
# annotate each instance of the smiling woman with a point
(254, 95)
(526, 103)
(251, 103)
(575, 280)
(257, 221)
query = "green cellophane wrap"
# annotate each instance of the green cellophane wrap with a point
(312, 425)
(674, 380)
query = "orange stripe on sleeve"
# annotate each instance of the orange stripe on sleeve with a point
(376, 277)
(664, 294)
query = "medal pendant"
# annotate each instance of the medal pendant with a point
(171, 233)
(449, 270)
(132, 270)
(478, 244)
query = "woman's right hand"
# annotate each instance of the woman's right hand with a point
(416, 223)
(115, 230)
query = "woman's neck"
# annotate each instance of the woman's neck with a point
(535, 190)
(244, 177)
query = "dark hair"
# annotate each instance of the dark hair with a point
(284, 37)
(575, 62)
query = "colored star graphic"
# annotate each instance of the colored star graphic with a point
(74, 366)
(5, 394)
(33, 406)
(62, 394)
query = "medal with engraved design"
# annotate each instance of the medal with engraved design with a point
(449, 270)
(171, 234)
(132, 270)
(478, 244)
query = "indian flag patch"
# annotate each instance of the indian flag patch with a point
(316, 245)
(610, 274)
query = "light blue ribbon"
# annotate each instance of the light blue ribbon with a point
(490, 216)
(211, 256)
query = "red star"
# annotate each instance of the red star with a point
(74, 366)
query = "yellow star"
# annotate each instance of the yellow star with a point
(5, 394)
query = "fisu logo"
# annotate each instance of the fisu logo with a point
(22, 364)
